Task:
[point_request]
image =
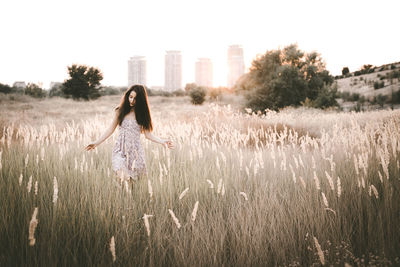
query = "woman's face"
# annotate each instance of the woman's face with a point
(132, 99)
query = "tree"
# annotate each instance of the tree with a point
(84, 82)
(190, 86)
(35, 91)
(345, 71)
(285, 77)
(198, 95)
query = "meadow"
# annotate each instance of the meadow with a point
(301, 187)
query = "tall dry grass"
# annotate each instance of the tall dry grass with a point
(299, 187)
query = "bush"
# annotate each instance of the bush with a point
(35, 91)
(378, 85)
(198, 95)
(5, 88)
(326, 98)
(380, 100)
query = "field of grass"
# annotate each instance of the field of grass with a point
(297, 188)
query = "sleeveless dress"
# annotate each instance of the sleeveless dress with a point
(128, 153)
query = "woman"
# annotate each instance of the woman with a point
(133, 117)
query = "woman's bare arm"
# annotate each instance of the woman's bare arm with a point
(106, 134)
(158, 140)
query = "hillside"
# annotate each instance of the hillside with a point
(364, 84)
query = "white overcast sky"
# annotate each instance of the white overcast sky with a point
(40, 38)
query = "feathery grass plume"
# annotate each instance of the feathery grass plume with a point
(296, 162)
(210, 183)
(302, 181)
(339, 187)
(217, 162)
(42, 153)
(26, 160)
(183, 193)
(330, 180)
(331, 210)
(319, 250)
(373, 189)
(176, 221)
(244, 195)
(55, 188)
(20, 179)
(29, 187)
(313, 162)
(380, 176)
(32, 227)
(194, 212)
(150, 188)
(325, 200)
(316, 180)
(112, 248)
(219, 186)
(301, 161)
(127, 186)
(223, 190)
(146, 223)
(36, 187)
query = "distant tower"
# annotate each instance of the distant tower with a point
(173, 70)
(235, 64)
(204, 72)
(137, 71)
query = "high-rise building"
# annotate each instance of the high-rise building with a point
(204, 72)
(173, 70)
(235, 64)
(137, 70)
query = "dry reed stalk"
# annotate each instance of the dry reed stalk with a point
(302, 181)
(194, 212)
(244, 195)
(339, 187)
(32, 227)
(176, 221)
(55, 190)
(29, 186)
(150, 188)
(112, 249)
(210, 183)
(316, 180)
(146, 223)
(20, 179)
(36, 188)
(373, 189)
(183, 193)
(219, 186)
(330, 180)
(325, 200)
(319, 251)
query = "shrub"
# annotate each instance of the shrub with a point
(198, 95)
(378, 85)
(35, 91)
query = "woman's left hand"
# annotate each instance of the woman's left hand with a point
(168, 144)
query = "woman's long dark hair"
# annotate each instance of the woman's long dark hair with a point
(141, 107)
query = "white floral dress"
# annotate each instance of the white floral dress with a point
(128, 153)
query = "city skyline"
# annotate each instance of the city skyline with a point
(40, 39)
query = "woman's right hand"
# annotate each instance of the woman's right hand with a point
(90, 146)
